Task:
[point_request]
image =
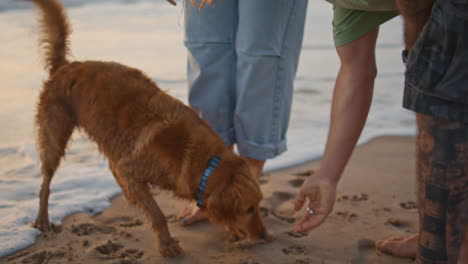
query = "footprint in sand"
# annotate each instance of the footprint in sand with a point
(279, 198)
(133, 223)
(409, 205)
(43, 257)
(303, 261)
(296, 234)
(282, 196)
(296, 183)
(262, 181)
(379, 211)
(306, 173)
(85, 243)
(351, 217)
(125, 234)
(355, 197)
(112, 250)
(109, 248)
(284, 217)
(396, 222)
(132, 253)
(86, 229)
(294, 250)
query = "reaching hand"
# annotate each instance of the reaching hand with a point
(321, 193)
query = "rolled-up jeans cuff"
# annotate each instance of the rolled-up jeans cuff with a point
(260, 151)
(227, 136)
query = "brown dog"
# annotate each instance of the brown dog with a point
(147, 136)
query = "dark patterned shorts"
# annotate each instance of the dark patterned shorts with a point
(436, 82)
(442, 169)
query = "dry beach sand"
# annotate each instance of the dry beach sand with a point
(375, 200)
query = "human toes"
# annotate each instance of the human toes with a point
(398, 246)
(195, 216)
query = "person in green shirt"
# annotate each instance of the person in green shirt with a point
(355, 30)
(435, 88)
(356, 20)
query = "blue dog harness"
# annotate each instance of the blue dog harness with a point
(214, 161)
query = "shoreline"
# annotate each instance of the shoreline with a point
(305, 161)
(378, 179)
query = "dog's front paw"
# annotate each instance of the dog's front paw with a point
(43, 224)
(170, 248)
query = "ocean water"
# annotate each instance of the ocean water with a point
(148, 34)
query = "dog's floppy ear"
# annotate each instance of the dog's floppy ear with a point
(234, 196)
(224, 205)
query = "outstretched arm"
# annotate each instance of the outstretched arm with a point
(350, 105)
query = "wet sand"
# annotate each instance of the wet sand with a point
(376, 199)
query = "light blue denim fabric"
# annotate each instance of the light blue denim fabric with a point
(243, 56)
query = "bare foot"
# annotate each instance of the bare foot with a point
(399, 246)
(191, 215)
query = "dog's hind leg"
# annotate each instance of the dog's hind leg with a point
(55, 126)
(138, 193)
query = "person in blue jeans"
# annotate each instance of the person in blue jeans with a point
(242, 61)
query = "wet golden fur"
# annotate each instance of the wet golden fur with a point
(147, 136)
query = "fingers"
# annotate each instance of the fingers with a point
(299, 201)
(388, 246)
(306, 192)
(309, 222)
(385, 245)
(399, 246)
(319, 194)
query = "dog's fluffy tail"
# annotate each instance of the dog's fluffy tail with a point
(55, 33)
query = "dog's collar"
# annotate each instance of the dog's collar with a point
(214, 161)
